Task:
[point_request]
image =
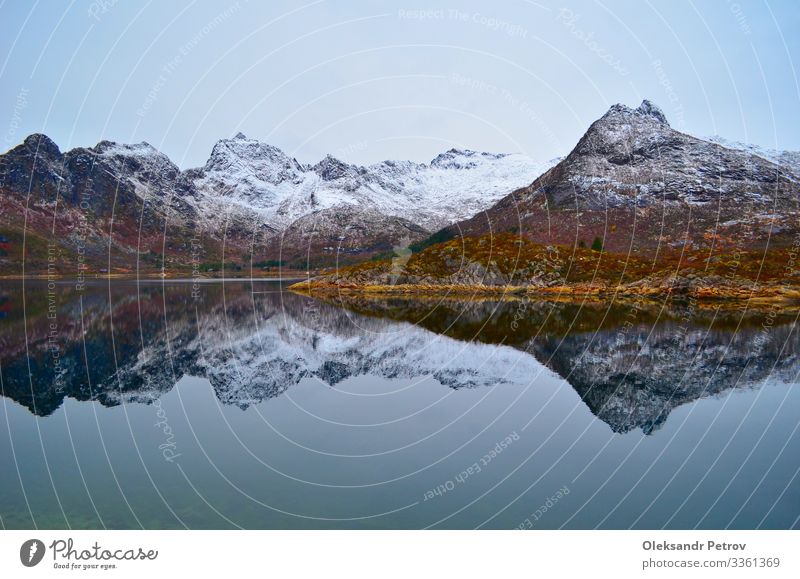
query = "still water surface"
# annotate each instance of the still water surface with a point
(157, 405)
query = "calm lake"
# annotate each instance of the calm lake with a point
(240, 404)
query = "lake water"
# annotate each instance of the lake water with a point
(239, 404)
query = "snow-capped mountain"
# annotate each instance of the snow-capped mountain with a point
(632, 181)
(130, 207)
(454, 186)
(632, 157)
(639, 185)
(112, 203)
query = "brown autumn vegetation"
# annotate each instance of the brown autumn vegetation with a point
(507, 262)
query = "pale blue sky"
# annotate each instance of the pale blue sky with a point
(367, 80)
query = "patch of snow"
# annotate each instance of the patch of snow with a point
(455, 185)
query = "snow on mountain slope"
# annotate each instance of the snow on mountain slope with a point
(148, 170)
(454, 186)
(639, 185)
(788, 159)
(249, 173)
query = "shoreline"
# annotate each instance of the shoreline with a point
(766, 295)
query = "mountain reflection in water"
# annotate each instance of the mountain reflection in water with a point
(630, 362)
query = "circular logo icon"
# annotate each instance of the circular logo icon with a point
(32, 552)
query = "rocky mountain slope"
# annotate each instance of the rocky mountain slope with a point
(506, 263)
(643, 187)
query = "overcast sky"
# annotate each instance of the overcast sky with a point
(367, 81)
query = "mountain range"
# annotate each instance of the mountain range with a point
(632, 183)
(122, 208)
(635, 205)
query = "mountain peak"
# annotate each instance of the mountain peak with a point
(134, 149)
(646, 110)
(240, 149)
(331, 168)
(42, 144)
(463, 159)
(649, 109)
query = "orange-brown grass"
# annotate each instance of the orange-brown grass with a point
(524, 266)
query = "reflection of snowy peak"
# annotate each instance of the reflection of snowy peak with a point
(455, 185)
(298, 339)
(630, 382)
(636, 383)
(630, 376)
(252, 367)
(254, 346)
